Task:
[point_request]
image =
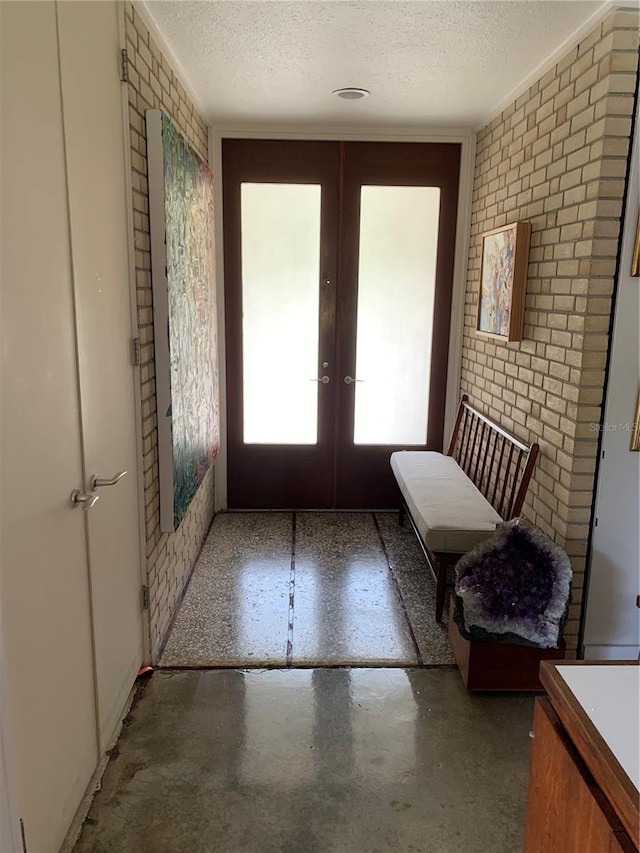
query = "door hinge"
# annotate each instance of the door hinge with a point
(23, 837)
(124, 65)
(136, 348)
(145, 597)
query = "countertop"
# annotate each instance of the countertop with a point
(610, 696)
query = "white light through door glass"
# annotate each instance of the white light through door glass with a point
(280, 229)
(396, 287)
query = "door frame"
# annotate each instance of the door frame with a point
(135, 332)
(9, 821)
(467, 142)
(290, 474)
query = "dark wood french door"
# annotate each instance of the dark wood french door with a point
(338, 265)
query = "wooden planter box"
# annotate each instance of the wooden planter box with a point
(498, 666)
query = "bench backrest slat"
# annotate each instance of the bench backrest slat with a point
(474, 427)
(512, 495)
(485, 456)
(484, 488)
(468, 429)
(505, 481)
(497, 469)
(481, 455)
(501, 473)
(462, 413)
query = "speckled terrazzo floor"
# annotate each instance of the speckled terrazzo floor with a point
(308, 589)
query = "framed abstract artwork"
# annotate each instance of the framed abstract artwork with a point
(503, 281)
(184, 314)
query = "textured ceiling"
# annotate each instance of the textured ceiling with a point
(447, 63)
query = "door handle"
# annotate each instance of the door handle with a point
(86, 501)
(349, 380)
(97, 482)
(324, 379)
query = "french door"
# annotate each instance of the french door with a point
(338, 281)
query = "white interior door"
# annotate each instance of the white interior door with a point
(45, 587)
(70, 580)
(93, 122)
(612, 626)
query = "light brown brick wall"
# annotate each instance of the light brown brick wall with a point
(557, 157)
(153, 84)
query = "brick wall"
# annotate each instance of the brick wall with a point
(153, 84)
(557, 157)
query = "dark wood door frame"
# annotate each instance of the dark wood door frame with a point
(280, 476)
(359, 482)
(334, 473)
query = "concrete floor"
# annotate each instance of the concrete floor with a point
(315, 761)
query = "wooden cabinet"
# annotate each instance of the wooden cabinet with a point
(579, 800)
(566, 810)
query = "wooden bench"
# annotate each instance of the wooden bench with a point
(455, 501)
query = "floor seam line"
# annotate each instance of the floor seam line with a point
(396, 585)
(292, 592)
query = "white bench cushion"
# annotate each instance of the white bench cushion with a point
(451, 514)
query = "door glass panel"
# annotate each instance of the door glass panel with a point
(280, 230)
(396, 287)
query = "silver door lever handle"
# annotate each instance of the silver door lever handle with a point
(349, 380)
(83, 500)
(324, 379)
(96, 482)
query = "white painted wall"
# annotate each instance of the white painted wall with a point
(612, 627)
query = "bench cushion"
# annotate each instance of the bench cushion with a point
(451, 514)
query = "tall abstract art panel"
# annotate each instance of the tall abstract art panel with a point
(184, 308)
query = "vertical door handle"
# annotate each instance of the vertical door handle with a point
(78, 498)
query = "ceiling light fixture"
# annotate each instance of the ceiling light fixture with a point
(351, 93)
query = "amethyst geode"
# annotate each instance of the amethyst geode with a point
(514, 587)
